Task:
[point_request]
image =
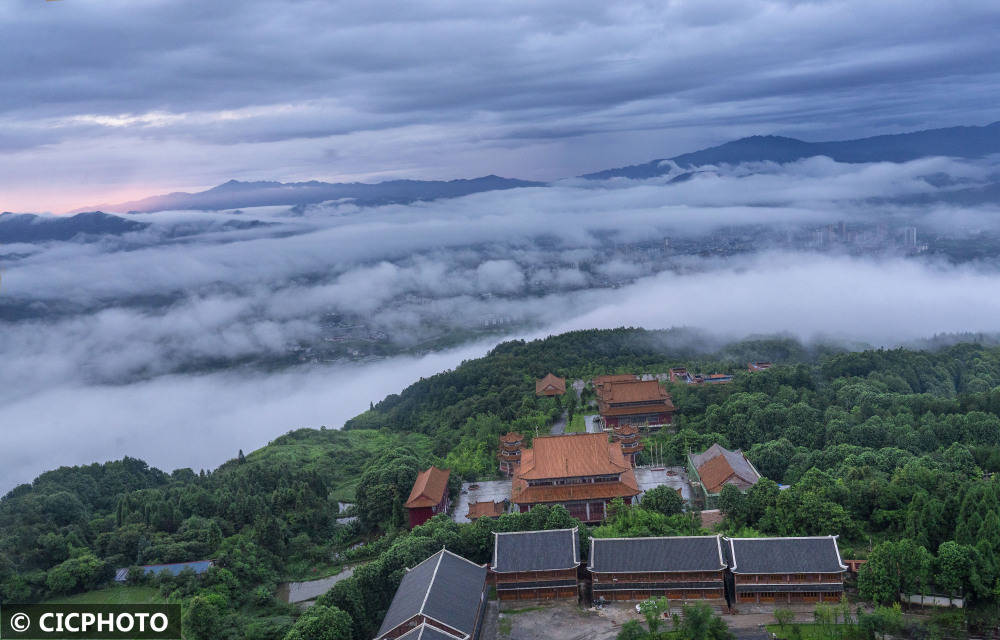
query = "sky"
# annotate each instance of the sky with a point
(113, 100)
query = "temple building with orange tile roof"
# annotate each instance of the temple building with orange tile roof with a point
(429, 495)
(641, 403)
(581, 471)
(710, 471)
(550, 385)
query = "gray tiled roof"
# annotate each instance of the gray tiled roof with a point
(784, 555)
(536, 550)
(426, 632)
(681, 553)
(445, 587)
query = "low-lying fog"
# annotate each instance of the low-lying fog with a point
(182, 348)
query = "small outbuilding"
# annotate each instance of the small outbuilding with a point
(429, 495)
(550, 385)
(710, 471)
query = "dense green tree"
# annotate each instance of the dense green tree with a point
(699, 622)
(321, 623)
(895, 567)
(203, 617)
(385, 485)
(663, 499)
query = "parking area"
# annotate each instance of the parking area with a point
(484, 491)
(568, 621)
(673, 477)
(562, 621)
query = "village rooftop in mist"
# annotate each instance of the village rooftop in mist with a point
(265, 224)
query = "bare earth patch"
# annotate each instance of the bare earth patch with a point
(562, 621)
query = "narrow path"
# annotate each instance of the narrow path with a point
(294, 592)
(560, 425)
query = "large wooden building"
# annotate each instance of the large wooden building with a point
(641, 403)
(442, 597)
(680, 568)
(581, 471)
(710, 471)
(786, 570)
(536, 565)
(429, 495)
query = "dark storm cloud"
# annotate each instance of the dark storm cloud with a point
(445, 88)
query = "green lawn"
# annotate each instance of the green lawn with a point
(577, 424)
(809, 631)
(118, 594)
(524, 610)
(337, 456)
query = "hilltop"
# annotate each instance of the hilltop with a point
(959, 142)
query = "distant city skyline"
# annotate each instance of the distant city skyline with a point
(116, 100)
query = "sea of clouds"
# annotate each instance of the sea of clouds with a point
(102, 348)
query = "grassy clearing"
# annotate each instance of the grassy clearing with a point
(336, 455)
(308, 570)
(118, 594)
(578, 424)
(809, 631)
(524, 610)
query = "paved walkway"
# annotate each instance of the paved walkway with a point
(592, 426)
(295, 592)
(559, 427)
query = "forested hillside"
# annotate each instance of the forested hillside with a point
(892, 450)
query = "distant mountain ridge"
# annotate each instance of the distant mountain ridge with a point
(28, 227)
(960, 142)
(236, 194)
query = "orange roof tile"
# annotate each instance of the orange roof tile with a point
(485, 510)
(718, 466)
(521, 493)
(569, 456)
(626, 430)
(513, 436)
(617, 377)
(616, 394)
(550, 385)
(602, 383)
(429, 488)
(714, 474)
(634, 392)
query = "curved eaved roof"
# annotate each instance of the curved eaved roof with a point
(785, 555)
(664, 554)
(445, 587)
(429, 488)
(547, 550)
